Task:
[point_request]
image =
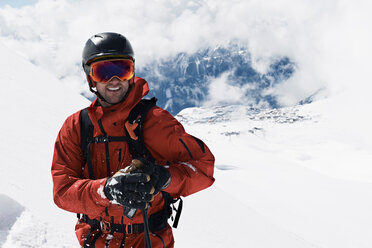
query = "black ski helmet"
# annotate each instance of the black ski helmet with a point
(106, 44)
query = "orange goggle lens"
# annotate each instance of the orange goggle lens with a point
(103, 71)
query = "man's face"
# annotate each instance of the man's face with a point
(113, 91)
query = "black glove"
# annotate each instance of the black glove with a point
(129, 189)
(160, 176)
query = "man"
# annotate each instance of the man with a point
(88, 173)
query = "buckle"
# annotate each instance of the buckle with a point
(101, 139)
(129, 228)
(105, 226)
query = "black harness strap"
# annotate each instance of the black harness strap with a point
(157, 222)
(103, 139)
(169, 202)
(89, 162)
(88, 243)
(106, 141)
(95, 237)
(178, 211)
(86, 131)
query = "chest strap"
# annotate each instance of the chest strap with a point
(157, 222)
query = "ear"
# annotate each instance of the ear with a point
(92, 84)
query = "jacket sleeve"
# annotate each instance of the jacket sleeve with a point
(70, 191)
(191, 163)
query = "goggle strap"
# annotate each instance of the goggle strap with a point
(109, 57)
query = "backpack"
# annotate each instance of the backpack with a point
(134, 137)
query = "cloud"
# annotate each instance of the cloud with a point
(328, 40)
(222, 92)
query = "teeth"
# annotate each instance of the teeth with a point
(114, 88)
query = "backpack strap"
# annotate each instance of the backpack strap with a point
(134, 129)
(86, 136)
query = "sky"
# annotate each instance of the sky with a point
(16, 3)
(329, 41)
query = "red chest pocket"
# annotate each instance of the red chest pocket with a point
(119, 158)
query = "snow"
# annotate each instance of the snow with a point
(101, 192)
(10, 210)
(292, 169)
(34, 107)
(189, 165)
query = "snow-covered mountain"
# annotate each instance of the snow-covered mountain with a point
(288, 177)
(185, 80)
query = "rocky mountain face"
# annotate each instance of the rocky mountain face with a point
(183, 80)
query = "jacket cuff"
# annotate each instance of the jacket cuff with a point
(98, 192)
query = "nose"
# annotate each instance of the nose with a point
(114, 80)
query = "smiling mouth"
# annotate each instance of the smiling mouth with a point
(114, 89)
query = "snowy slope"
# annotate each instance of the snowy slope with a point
(284, 178)
(308, 175)
(34, 106)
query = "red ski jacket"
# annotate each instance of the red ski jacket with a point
(191, 166)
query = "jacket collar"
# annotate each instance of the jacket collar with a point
(121, 110)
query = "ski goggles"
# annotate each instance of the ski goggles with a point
(103, 71)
